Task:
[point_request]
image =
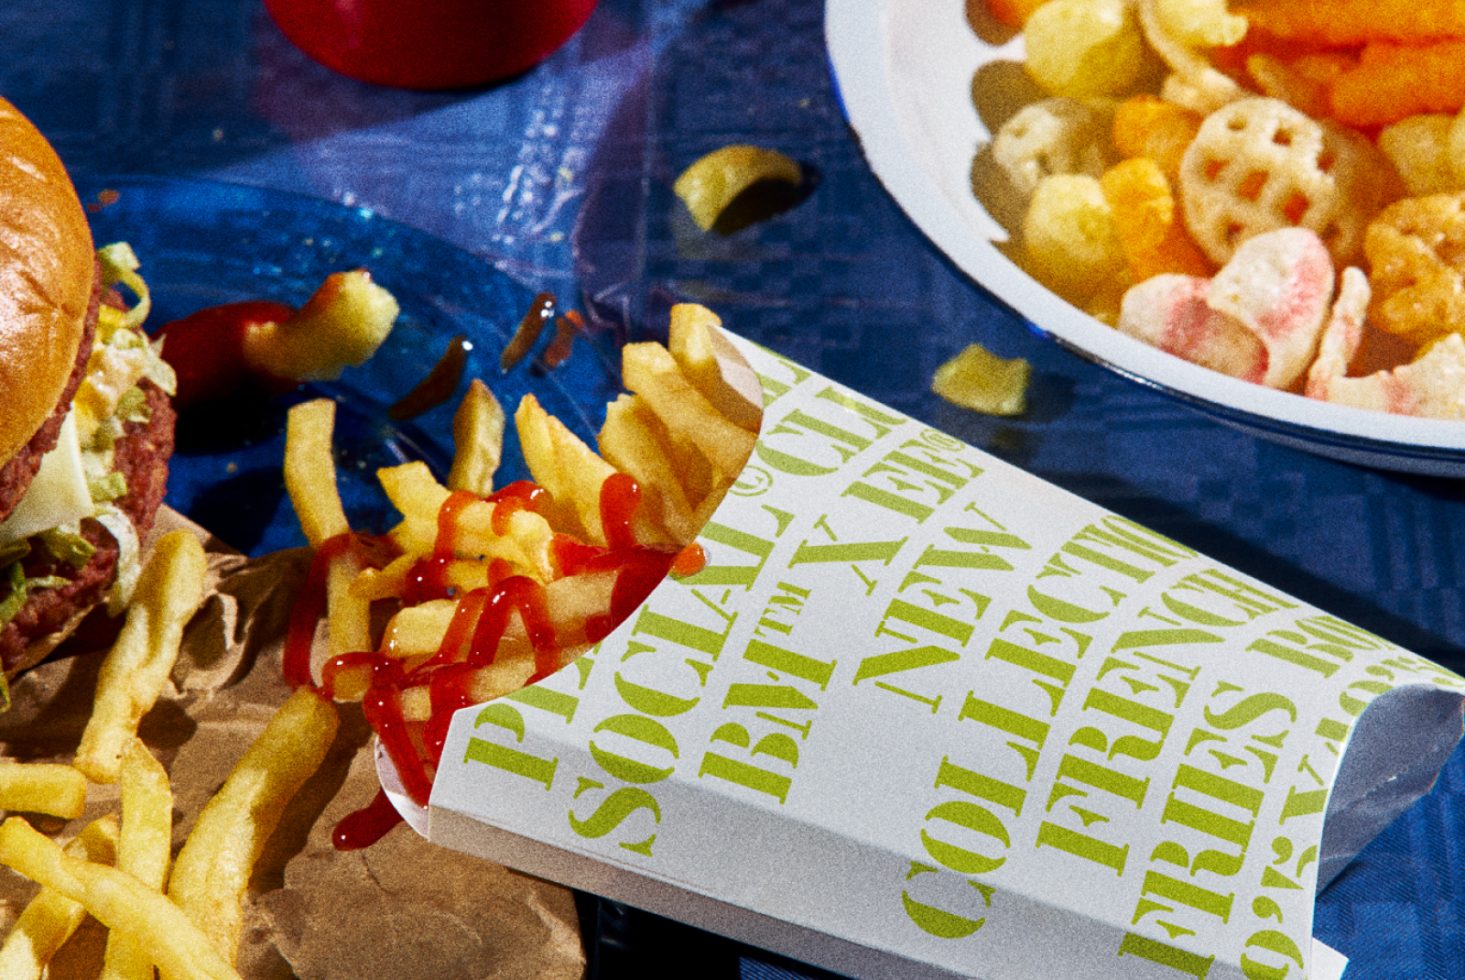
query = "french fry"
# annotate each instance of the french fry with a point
(712, 366)
(341, 325)
(523, 540)
(310, 471)
(143, 849)
(310, 479)
(212, 870)
(634, 440)
(715, 180)
(50, 918)
(691, 420)
(478, 440)
(42, 787)
(119, 901)
(564, 466)
(169, 591)
(348, 616)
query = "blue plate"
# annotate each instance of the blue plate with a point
(203, 243)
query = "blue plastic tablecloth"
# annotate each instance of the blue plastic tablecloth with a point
(561, 177)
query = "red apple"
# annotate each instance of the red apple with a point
(429, 44)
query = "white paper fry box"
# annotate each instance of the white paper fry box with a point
(923, 714)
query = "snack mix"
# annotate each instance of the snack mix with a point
(1277, 187)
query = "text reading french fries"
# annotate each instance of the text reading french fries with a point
(489, 589)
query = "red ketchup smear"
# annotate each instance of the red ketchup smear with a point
(689, 561)
(620, 497)
(383, 709)
(309, 608)
(366, 826)
(517, 496)
(206, 350)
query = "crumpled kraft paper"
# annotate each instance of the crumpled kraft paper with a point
(402, 908)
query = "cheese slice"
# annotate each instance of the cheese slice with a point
(57, 495)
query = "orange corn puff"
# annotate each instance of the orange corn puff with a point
(1013, 13)
(1148, 126)
(1393, 81)
(1342, 23)
(1147, 221)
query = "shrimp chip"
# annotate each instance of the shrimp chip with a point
(1432, 386)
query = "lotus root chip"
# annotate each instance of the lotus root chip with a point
(1258, 164)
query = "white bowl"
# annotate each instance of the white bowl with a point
(905, 71)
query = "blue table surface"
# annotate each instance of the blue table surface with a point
(562, 176)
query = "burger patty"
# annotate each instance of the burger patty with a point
(17, 473)
(142, 458)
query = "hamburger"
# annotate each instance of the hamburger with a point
(86, 425)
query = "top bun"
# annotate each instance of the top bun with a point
(47, 264)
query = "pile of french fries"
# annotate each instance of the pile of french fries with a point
(676, 444)
(549, 577)
(186, 922)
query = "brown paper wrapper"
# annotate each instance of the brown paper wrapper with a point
(402, 908)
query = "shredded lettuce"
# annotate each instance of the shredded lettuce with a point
(68, 545)
(119, 267)
(14, 551)
(133, 406)
(107, 488)
(13, 602)
(129, 550)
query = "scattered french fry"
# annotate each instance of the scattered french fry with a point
(341, 325)
(169, 591)
(634, 440)
(50, 918)
(143, 849)
(42, 787)
(212, 871)
(564, 466)
(310, 471)
(710, 364)
(478, 438)
(119, 901)
(693, 422)
(715, 180)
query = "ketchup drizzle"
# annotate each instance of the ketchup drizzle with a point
(309, 608)
(476, 630)
(364, 827)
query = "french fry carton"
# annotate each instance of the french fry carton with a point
(923, 714)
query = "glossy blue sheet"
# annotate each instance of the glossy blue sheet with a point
(560, 179)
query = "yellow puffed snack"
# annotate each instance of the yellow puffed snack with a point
(1419, 148)
(1202, 23)
(1053, 136)
(1416, 256)
(1085, 47)
(1070, 237)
